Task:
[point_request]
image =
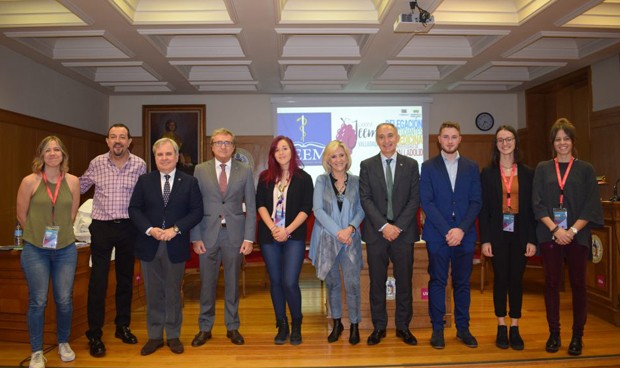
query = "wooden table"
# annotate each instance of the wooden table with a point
(421, 318)
(14, 298)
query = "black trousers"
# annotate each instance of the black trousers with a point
(508, 267)
(379, 254)
(106, 235)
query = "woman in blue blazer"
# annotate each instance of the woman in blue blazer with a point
(336, 244)
(507, 229)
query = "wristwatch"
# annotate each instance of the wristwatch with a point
(176, 229)
(574, 230)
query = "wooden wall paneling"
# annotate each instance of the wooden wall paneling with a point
(476, 147)
(605, 147)
(22, 134)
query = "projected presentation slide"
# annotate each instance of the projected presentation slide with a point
(311, 128)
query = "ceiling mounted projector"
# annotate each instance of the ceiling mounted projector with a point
(410, 23)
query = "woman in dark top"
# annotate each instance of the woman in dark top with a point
(284, 202)
(566, 203)
(507, 230)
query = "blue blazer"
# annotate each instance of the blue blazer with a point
(439, 202)
(146, 209)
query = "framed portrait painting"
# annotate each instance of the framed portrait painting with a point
(184, 124)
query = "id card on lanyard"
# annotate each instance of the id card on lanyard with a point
(50, 237)
(508, 223)
(560, 215)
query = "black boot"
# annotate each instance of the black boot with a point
(354, 334)
(501, 341)
(516, 342)
(553, 343)
(296, 331)
(575, 346)
(336, 331)
(283, 331)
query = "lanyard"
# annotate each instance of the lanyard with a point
(508, 184)
(562, 181)
(55, 196)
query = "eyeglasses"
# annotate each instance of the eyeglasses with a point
(507, 140)
(222, 143)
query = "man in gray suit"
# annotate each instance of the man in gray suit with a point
(389, 192)
(225, 233)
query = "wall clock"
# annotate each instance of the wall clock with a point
(484, 121)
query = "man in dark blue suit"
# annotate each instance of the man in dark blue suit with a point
(165, 205)
(451, 198)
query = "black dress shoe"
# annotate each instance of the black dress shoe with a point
(151, 346)
(354, 334)
(516, 342)
(501, 340)
(200, 338)
(235, 337)
(553, 343)
(375, 337)
(96, 347)
(575, 346)
(124, 333)
(176, 346)
(466, 338)
(407, 337)
(437, 340)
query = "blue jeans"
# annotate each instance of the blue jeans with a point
(351, 276)
(283, 262)
(39, 265)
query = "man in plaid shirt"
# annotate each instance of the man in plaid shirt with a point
(114, 175)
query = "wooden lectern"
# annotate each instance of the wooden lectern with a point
(603, 273)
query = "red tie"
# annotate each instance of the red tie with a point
(223, 181)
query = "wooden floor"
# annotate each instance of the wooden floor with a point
(601, 340)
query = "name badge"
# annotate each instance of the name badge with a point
(560, 217)
(50, 238)
(508, 224)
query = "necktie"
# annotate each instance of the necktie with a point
(223, 180)
(166, 189)
(390, 185)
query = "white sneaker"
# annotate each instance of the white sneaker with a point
(65, 352)
(37, 360)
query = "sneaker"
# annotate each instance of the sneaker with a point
(37, 360)
(65, 352)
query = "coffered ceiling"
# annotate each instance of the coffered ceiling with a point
(310, 46)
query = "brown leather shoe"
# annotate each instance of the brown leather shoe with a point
(176, 346)
(200, 338)
(151, 346)
(235, 337)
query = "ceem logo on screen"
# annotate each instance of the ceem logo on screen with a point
(310, 132)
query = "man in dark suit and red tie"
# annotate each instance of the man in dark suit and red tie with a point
(225, 233)
(165, 206)
(389, 185)
(451, 198)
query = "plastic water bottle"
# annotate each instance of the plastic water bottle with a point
(18, 235)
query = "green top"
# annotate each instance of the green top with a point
(40, 215)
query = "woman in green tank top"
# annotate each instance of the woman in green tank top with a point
(47, 202)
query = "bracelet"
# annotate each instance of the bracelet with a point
(287, 234)
(555, 229)
(353, 227)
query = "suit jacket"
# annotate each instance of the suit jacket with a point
(439, 201)
(146, 209)
(299, 199)
(405, 198)
(491, 218)
(241, 225)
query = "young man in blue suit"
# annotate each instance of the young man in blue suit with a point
(389, 184)
(451, 198)
(165, 206)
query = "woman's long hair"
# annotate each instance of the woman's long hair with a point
(274, 171)
(495, 151)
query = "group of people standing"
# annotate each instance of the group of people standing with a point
(156, 216)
